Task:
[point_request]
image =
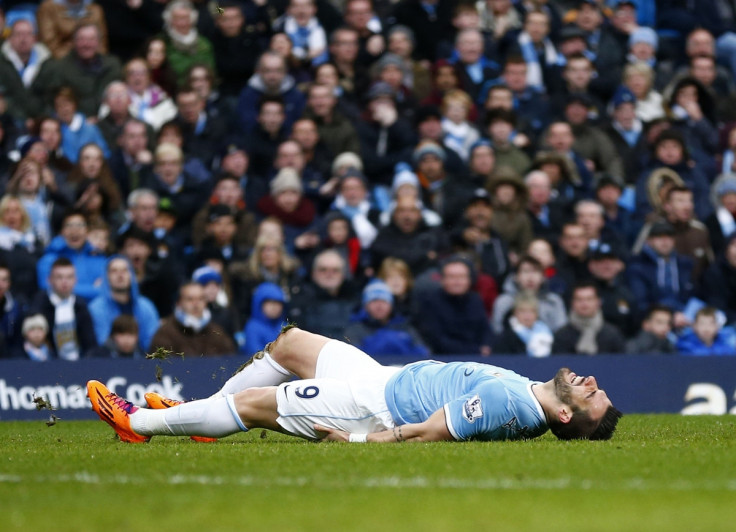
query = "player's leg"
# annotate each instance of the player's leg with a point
(293, 353)
(216, 417)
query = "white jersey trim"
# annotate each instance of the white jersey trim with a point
(540, 410)
(448, 422)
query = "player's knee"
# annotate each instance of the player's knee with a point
(284, 347)
(256, 406)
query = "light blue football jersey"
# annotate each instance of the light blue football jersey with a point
(481, 402)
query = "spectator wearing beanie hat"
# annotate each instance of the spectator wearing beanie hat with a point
(377, 330)
(218, 302)
(625, 132)
(35, 345)
(287, 203)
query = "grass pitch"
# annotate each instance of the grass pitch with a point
(658, 473)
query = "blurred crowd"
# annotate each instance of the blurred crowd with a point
(419, 177)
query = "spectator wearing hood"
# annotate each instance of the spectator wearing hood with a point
(670, 151)
(72, 244)
(378, 330)
(119, 295)
(268, 316)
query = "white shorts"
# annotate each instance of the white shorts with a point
(347, 393)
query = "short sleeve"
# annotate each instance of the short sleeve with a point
(482, 414)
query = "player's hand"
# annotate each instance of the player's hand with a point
(332, 434)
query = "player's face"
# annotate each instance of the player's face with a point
(581, 392)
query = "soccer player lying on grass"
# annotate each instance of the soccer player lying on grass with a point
(344, 395)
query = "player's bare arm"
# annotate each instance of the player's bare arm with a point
(434, 429)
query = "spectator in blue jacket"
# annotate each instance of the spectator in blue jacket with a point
(72, 244)
(659, 275)
(377, 330)
(119, 295)
(707, 337)
(267, 317)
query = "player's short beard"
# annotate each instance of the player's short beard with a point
(563, 390)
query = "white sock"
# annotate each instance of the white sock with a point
(263, 371)
(214, 417)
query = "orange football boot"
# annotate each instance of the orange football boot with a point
(115, 411)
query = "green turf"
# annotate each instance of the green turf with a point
(658, 473)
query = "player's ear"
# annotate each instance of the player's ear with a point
(564, 414)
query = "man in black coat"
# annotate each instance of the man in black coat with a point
(71, 332)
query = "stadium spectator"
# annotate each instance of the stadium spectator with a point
(184, 45)
(131, 160)
(542, 59)
(72, 244)
(691, 236)
(656, 334)
(546, 216)
(288, 203)
(459, 134)
(19, 246)
(475, 234)
(660, 275)
(707, 336)
(76, 131)
(525, 334)
(378, 330)
(269, 261)
(572, 257)
(607, 265)
(236, 49)
(587, 332)
(71, 331)
(639, 79)
(451, 317)
(501, 126)
(408, 237)
(270, 79)
(202, 130)
(21, 61)
(542, 250)
(473, 68)
(119, 294)
(219, 240)
(162, 74)
(171, 180)
(722, 222)
(148, 101)
(59, 20)
(718, 288)
(190, 330)
(429, 25)
(35, 344)
(266, 135)
(86, 69)
(625, 131)
(217, 294)
(396, 274)
(12, 312)
(401, 42)
(122, 342)
(268, 315)
(509, 197)
(325, 302)
(228, 193)
(336, 131)
(528, 278)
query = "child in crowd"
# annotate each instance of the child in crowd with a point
(707, 336)
(35, 346)
(526, 334)
(268, 314)
(122, 342)
(459, 134)
(656, 334)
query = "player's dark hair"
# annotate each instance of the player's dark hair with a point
(607, 426)
(581, 426)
